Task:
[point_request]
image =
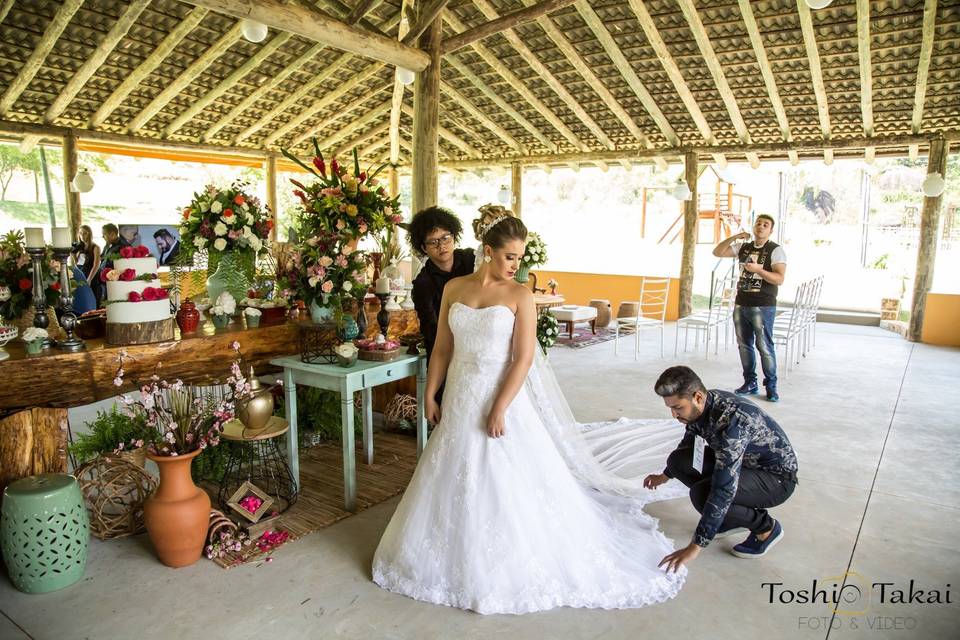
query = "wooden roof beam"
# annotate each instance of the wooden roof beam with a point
(572, 103)
(5, 9)
(923, 68)
(503, 23)
(568, 50)
(819, 89)
(362, 8)
(317, 127)
(371, 116)
(173, 89)
(626, 70)
(673, 71)
(866, 73)
(713, 64)
(314, 25)
(426, 15)
(93, 62)
(148, 66)
(450, 137)
(481, 117)
(40, 51)
(766, 71)
(398, 89)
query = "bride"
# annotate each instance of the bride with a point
(514, 507)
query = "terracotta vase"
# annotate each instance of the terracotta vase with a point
(188, 317)
(178, 514)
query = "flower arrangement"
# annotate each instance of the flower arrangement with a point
(536, 252)
(547, 331)
(32, 334)
(226, 542)
(252, 312)
(223, 220)
(327, 272)
(16, 277)
(346, 350)
(553, 284)
(226, 305)
(376, 344)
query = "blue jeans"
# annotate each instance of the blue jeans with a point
(754, 325)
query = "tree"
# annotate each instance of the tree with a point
(13, 161)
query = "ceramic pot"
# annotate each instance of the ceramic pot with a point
(256, 412)
(178, 514)
(252, 321)
(232, 275)
(221, 321)
(522, 274)
(34, 346)
(188, 317)
(320, 314)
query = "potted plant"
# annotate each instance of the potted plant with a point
(34, 337)
(113, 433)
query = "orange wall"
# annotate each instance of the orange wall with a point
(580, 288)
(941, 322)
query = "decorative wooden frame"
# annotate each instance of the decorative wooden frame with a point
(247, 489)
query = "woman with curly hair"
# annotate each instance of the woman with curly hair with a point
(434, 234)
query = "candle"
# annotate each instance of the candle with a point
(34, 237)
(383, 285)
(61, 237)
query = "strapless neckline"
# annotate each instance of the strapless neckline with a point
(493, 306)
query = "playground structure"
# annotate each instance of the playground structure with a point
(722, 209)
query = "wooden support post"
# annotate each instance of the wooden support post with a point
(394, 176)
(643, 214)
(516, 187)
(927, 250)
(690, 229)
(272, 199)
(72, 198)
(426, 122)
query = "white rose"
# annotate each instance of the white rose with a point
(216, 207)
(5, 293)
(219, 244)
(313, 281)
(200, 242)
(246, 232)
(256, 243)
(220, 229)
(206, 206)
(347, 285)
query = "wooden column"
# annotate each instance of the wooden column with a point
(426, 122)
(927, 250)
(272, 199)
(690, 228)
(72, 198)
(516, 187)
(394, 176)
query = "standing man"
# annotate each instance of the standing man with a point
(763, 265)
(111, 247)
(735, 459)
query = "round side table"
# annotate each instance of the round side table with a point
(257, 458)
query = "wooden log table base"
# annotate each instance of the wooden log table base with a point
(140, 332)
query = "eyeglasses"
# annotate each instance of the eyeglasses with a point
(444, 240)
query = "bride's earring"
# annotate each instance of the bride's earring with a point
(487, 258)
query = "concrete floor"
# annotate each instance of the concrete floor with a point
(873, 419)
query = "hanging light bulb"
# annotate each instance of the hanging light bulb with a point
(82, 182)
(818, 4)
(252, 30)
(933, 185)
(682, 191)
(504, 196)
(405, 76)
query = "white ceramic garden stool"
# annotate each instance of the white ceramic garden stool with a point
(573, 314)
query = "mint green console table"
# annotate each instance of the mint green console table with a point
(362, 376)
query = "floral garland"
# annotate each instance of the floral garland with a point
(536, 252)
(16, 277)
(221, 220)
(548, 328)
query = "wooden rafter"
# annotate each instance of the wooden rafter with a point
(426, 15)
(173, 89)
(450, 137)
(673, 71)
(317, 127)
(519, 86)
(465, 127)
(819, 89)
(5, 8)
(866, 72)
(29, 69)
(551, 81)
(481, 117)
(581, 65)
(364, 138)
(504, 22)
(93, 62)
(227, 83)
(309, 23)
(626, 70)
(716, 71)
(330, 142)
(362, 8)
(398, 90)
(923, 68)
(492, 95)
(767, 72)
(147, 67)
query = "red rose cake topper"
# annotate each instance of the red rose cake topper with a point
(138, 251)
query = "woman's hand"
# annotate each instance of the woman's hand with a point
(495, 427)
(432, 411)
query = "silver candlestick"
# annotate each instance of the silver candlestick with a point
(40, 319)
(68, 319)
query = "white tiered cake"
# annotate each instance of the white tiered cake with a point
(138, 309)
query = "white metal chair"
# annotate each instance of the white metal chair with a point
(787, 329)
(713, 320)
(651, 312)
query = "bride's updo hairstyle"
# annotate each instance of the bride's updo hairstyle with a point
(496, 226)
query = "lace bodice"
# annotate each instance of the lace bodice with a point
(483, 336)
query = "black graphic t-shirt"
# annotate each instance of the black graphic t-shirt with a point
(752, 290)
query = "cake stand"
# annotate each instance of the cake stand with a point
(6, 335)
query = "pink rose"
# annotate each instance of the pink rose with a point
(327, 287)
(127, 275)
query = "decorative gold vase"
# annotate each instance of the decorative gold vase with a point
(255, 412)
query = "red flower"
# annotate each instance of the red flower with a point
(228, 213)
(128, 275)
(149, 294)
(55, 286)
(186, 212)
(301, 195)
(362, 176)
(126, 252)
(133, 296)
(335, 167)
(239, 200)
(161, 293)
(25, 284)
(269, 225)
(318, 163)
(141, 252)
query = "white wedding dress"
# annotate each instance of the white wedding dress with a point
(549, 515)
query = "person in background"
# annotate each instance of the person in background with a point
(86, 255)
(111, 247)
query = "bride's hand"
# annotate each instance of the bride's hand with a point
(495, 427)
(432, 412)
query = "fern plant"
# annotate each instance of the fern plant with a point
(107, 432)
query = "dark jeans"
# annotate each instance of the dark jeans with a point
(757, 490)
(754, 326)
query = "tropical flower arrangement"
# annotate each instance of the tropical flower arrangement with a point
(223, 220)
(16, 277)
(180, 421)
(547, 331)
(536, 252)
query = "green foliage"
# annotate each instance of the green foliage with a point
(881, 262)
(211, 464)
(318, 411)
(107, 431)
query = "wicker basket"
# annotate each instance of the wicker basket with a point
(317, 342)
(379, 355)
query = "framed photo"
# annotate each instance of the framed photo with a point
(163, 240)
(250, 501)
